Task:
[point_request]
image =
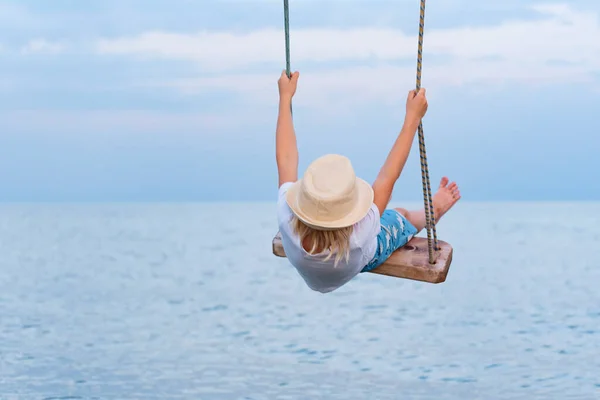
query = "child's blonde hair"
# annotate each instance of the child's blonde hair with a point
(336, 241)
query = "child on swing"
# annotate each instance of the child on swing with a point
(335, 225)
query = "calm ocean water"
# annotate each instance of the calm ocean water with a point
(134, 301)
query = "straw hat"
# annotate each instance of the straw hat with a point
(330, 196)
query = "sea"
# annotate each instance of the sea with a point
(186, 301)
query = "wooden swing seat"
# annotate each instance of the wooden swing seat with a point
(409, 262)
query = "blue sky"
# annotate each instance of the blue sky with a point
(175, 100)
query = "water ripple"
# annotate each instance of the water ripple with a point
(154, 302)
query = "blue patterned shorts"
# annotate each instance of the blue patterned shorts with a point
(396, 231)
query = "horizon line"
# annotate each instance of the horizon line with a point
(266, 202)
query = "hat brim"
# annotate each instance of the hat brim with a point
(363, 204)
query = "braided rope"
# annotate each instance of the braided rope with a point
(286, 19)
(427, 199)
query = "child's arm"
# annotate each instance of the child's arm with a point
(286, 152)
(416, 107)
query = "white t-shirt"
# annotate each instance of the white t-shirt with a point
(323, 276)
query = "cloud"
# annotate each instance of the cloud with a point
(563, 34)
(42, 46)
(382, 84)
(559, 46)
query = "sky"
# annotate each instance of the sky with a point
(176, 100)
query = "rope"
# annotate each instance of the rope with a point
(427, 199)
(286, 19)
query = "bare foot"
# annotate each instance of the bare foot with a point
(445, 198)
